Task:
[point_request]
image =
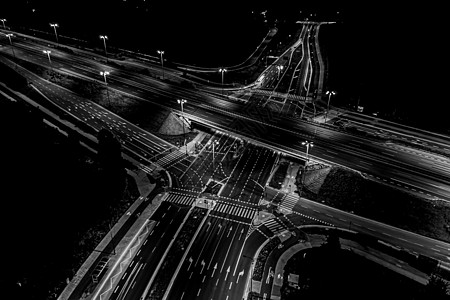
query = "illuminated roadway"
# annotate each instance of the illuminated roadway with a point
(426, 173)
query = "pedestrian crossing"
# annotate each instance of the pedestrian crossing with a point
(275, 225)
(180, 198)
(289, 201)
(226, 208)
(169, 158)
(145, 168)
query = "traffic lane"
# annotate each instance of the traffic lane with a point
(243, 271)
(397, 128)
(227, 273)
(250, 174)
(91, 114)
(232, 181)
(363, 167)
(98, 117)
(212, 261)
(132, 285)
(206, 242)
(396, 236)
(411, 178)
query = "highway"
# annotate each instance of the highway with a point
(219, 259)
(168, 218)
(378, 160)
(368, 155)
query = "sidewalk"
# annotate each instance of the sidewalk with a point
(289, 185)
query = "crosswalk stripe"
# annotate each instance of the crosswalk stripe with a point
(241, 212)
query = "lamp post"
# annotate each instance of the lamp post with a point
(3, 21)
(104, 38)
(222, 70)
(216, 142)
(161, 53)
(9, 35)
(307, 144)
(181, 102)
(104, 74)
(48, 54)
(329, 93)
(279, 68)
(54, 25)
(264, 190)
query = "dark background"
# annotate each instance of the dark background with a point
(386, 56)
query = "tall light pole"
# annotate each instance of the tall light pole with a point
(181, 102)
(329, 93)
(262, 187)
(216, 142)
(222, 70)
(54, 25)
(161, 53)
(48, 54)
(3, 21)
(279, 68)
(307, 144)
(9, 35)
(104, 38)
(104, 73)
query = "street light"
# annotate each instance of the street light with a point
(222, 70)
(279, 68)
(104, 73)
(181, 102)
(216, 142)
(9, 35)
(104, 38)
(3, 21)
(162, 61)
(48, 54)
(54, 25)
(307, 144)
(329, 93)
(264, 190)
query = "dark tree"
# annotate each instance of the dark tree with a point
(111, 165)
(437, 288)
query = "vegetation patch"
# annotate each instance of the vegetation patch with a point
(327, 272)
(348, 191)
(262, 257)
